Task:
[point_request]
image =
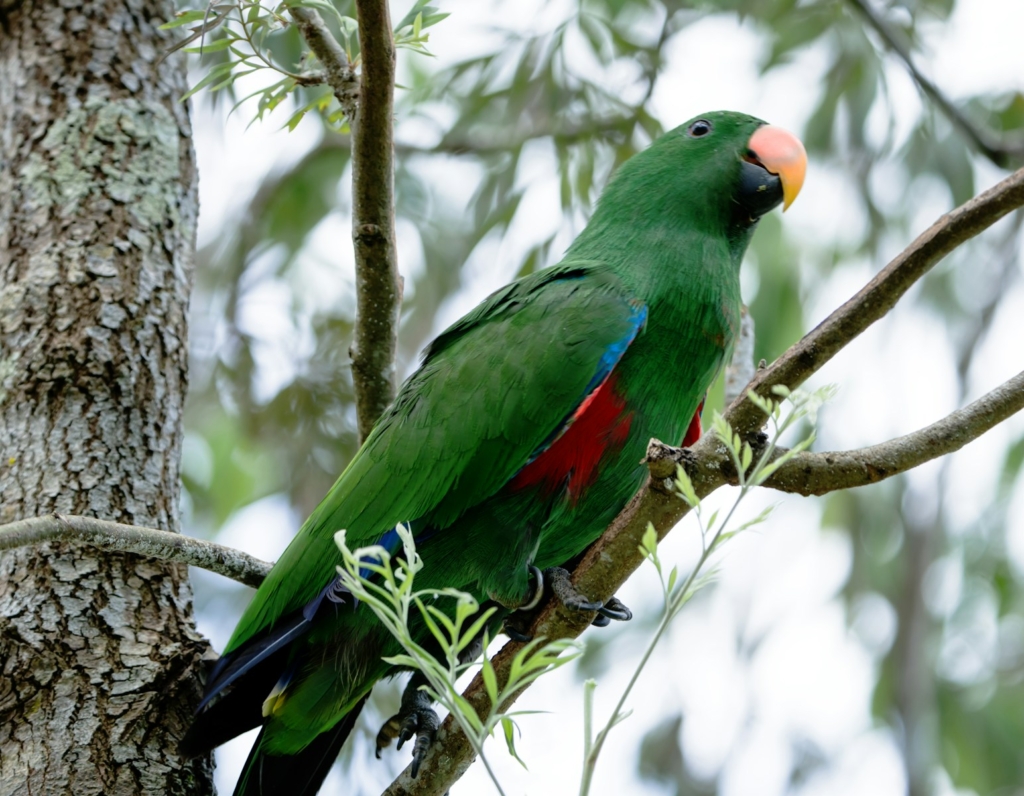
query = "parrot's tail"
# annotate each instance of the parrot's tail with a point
(300, 774)
(241, 680)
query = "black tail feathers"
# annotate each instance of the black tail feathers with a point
(301, 774)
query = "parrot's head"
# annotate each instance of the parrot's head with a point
(718, 172)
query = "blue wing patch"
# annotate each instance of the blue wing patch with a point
(609, 359)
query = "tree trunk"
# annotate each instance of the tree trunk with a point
(98, 652)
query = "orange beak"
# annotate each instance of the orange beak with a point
(780, 153)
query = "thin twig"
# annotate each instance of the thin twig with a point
(1002, 154)
(150, 542)
(339, 73)
(309, 79)
(616, 555)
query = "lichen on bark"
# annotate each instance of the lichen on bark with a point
(99, 658)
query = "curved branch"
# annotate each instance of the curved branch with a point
(999, 153)
(879, 295)
(820, 473)
(150, 542)
(615, 556)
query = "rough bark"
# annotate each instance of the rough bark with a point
(98, 653)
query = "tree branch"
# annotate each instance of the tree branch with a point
(879, 295)
(338, 72)
(378, 284)
(615, 556)
(150, 542)
(820, 473)
(1000, 153)
(369, 108)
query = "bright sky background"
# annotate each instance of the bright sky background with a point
(766, 655)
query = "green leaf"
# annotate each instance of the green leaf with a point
(467, 713)
(713, 519)
(184, 18)
(474, 629)
(508, 728)
(432, 625)
(490, 681)
(649, 542)
(213, 47)
(746, 457)
(444, 619)
(685, 487)
(405, 661)
(213, 75)
(296, 117)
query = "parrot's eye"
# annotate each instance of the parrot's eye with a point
(699, 128)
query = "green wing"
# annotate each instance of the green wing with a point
(492, 389)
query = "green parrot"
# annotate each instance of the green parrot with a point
(512, 447)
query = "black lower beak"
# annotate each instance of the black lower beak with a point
(759, 190)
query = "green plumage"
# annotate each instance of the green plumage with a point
(655, 274)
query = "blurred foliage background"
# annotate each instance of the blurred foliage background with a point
(505, 139)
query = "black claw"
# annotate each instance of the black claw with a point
(415, 717)
(615, 609)
(513, 632)
(601, 621)
(419, 751)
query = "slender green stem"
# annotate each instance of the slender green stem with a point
(673, 604)
(490, 772)
(671, 608)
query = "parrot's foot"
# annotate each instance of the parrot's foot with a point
(416, 717)
(566, 593)
(516, 623)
